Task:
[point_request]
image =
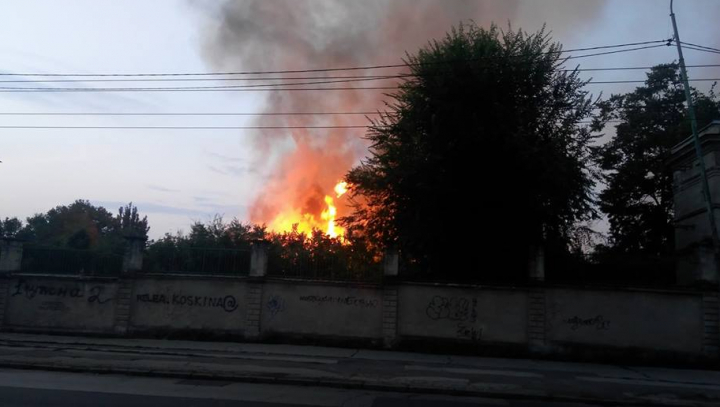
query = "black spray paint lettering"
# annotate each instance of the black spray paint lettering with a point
(97, 295)
(451, 308)
(228, 303)
(599, 322)
(465, 331)
(31, 291)
(154, 298)
(348, 301)
(276, 305)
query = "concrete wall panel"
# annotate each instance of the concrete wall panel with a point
(188, 304)
(463, 313)
(320, 309)
(63, 304)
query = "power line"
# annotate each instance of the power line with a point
(188, 127)
(257, 89)
(261, 87)
(229, 114)
(190, 89)
(699, 46)
(21, 127)
(617, 52)
(404, 65)
(638, 81)
(701, 49)
(368, 77)
(362, 77)
(268, 87)
(191, 113)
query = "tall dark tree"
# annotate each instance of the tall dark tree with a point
(638, 197)
(482, 154)
(131, 225)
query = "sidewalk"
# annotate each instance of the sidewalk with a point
(364, 369)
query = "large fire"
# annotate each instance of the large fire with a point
(307, 222)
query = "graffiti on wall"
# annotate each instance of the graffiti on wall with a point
(54, 292)
(227, 303)
(350, 301)
(599, 323)
(275, 305)
(457, 309)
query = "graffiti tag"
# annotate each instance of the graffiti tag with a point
(451, 308)
(599, 322)
(276, 305)
(228, 303)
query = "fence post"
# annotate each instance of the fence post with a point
(258, 258)
(133, 256)
(132, 264)
(391, 262)
(711, 324)
(536, 319)
(11, 252)
(390, 298)
(254, 297)
(536, 263)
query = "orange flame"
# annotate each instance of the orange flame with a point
(306, 222)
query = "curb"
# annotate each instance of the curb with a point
(344, 384)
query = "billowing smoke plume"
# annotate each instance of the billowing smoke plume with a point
(298, 34)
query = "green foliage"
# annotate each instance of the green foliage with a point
(82, 226)
(638, 198)
(215, 246)
(130, 223)
(319, 256)
(290, 254)
(10, 227)
(481, 155)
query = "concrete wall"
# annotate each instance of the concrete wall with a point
(337, 310)
(61, 303)
(167, 303)
(542, 318)
(467, 314)
(665, 321)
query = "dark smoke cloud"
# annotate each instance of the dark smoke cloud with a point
(297, 34)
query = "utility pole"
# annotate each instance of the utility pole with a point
(696, 138)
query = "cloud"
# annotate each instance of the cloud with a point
(207, 208)
(234, 170)
(161, 188)
(225, 157)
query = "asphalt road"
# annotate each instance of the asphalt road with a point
(150, 372)
(26, 388)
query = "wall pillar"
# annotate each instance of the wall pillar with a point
(390, 298)
(132, 264)
(711, 324)
(391, 263)
(11, 252)
(133, 257)
(536, 264)
(259, 258)
(123, 302)
(536, 319)
(4, 288)
(254, 297)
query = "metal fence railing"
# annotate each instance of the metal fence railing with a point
(63, 261)
(194, 260)
(330, 268)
